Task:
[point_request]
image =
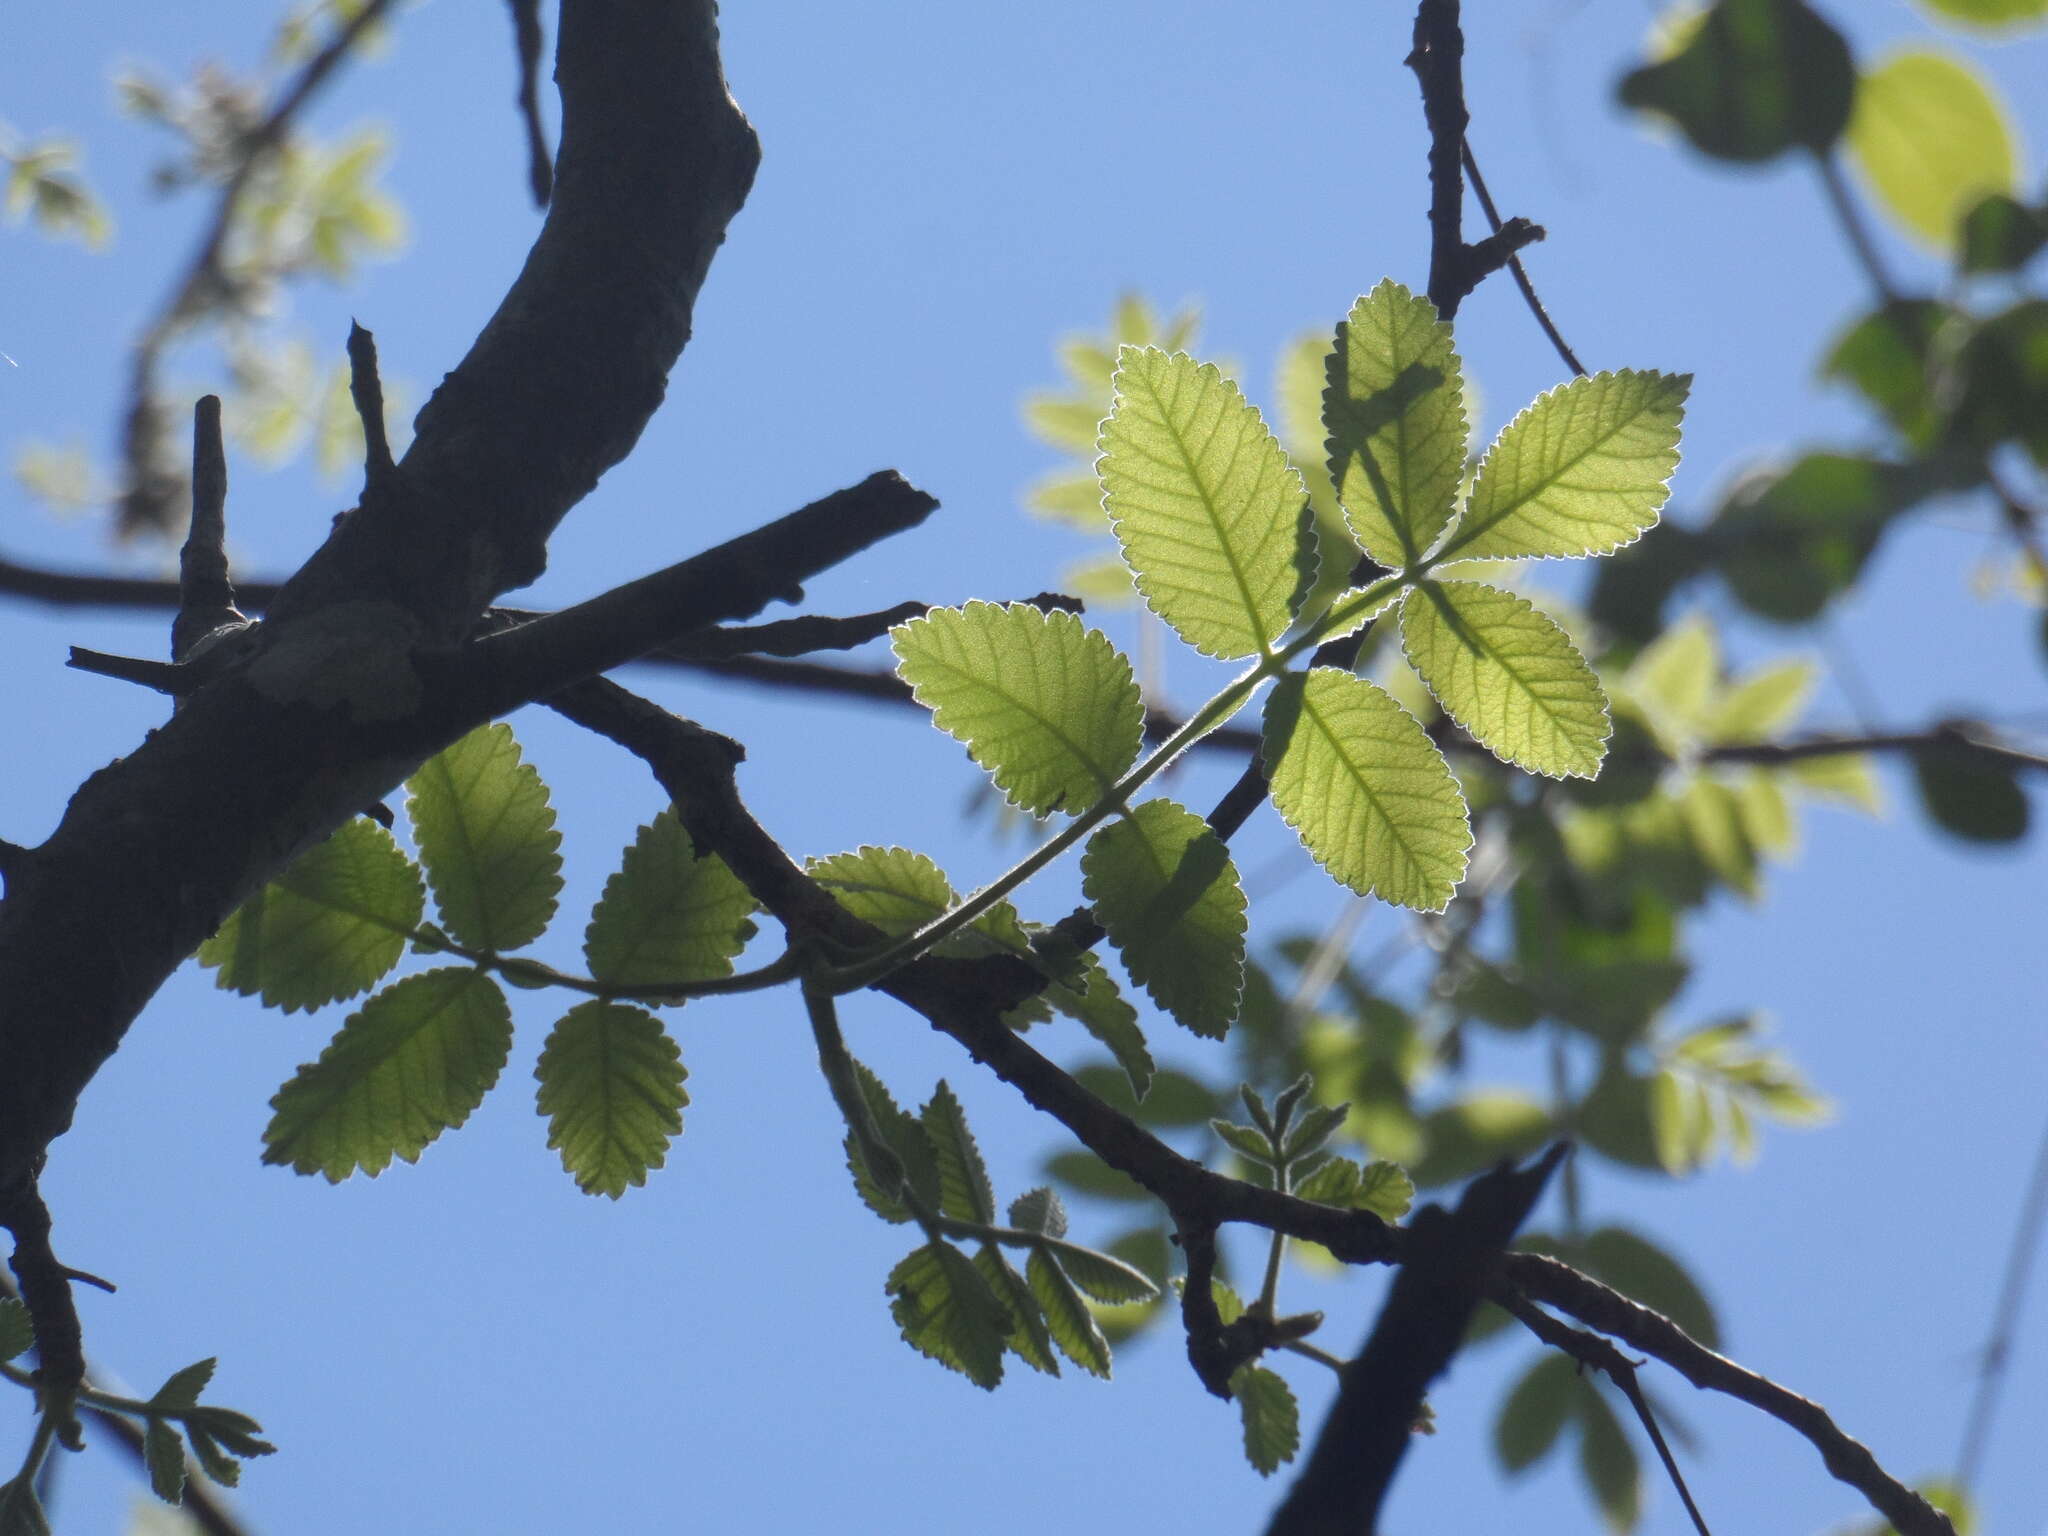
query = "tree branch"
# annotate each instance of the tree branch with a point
(206, 597)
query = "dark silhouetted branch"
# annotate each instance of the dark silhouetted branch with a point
(1515, 267)
(540, 168)
(366, 389)
(206, 597)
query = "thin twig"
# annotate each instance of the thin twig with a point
(1589, 1349)
(1843, 202)
(206, 595)
(367, 391)
(2005, 1322)
(203, 277)
(540, 167)
(1515, 268)
(1438, 59)
(1596, 1305)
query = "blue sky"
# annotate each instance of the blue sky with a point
(471, 1345)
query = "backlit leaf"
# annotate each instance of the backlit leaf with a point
(1205, 505)
(905, 1135)
(1534, 1412)
(1047, 706)
(1931, 139)
(1272, 1419)
(947, 1311)
(1608, 1462)
(964, 1192)
(1582, 471)
(1989, 14)
(1164, 887)
(410, 1063)
(669, 914)
(611, 1085)
(1067, 1317)
(1504, 671)
(1395, 412)
(329, 927)
(1027, 1338)
(486, 834)
(1368, 792)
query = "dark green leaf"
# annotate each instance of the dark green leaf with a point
(183, 1389)
(1312, 1129)
(1067, 1316)
(1534, 1411)
(164, 1454)
(1176, 1100)
(487, 836)
(946, 1310)
(411, 1063)
(1104, 1278)
(964, 1192)
(1788, 543)
(1039, 1210)
(1088, 1174)
(2001, 234)
(1889, 357)
(17, 1331)
(1608, 1462)
(237, 1431)
(21, 1512)
(904, 1134)
(1757, 78)
(611, 1085)
(1971, 794)
(1245, 1141)
(2001, 382)
(1272, 1421)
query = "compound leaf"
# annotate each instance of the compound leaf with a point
(410, 1063)
(487, 836)
(1368, 793)
(1047, 706)
(611, 1085)
(1204, 503)
(1504, 671)
(1164, 887)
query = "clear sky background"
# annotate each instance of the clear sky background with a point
(470, 1345)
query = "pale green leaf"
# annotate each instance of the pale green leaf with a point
(411, 1063)
(1931, 139)
(486, 834)
(1204, 503)
(1047, 706)
(1990, 15)
(1674, 680)
(1505, 672)
(611, 1085)
(894, 889)
(1766, 814)
(1385, 1190)
(669, 914)
(946, 1310)
(1272, 1421)
(1582, 471)
(1761, 704)
(1368, 793)
(1067, 1317)
(1027, 1339)
(964, 1191)
(1394, 409)
(1164, 887)
(329, 927)
(1843, 777)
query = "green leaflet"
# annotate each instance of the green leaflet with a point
(1394, 409)
(1581, 471)
(1207, 510)
(1047, 706)
(1762, 703)
(1505, 672)
(1756, 78)
(1036, 1210)
(487, 836)
(946, 1310)
(1105, 1278)
(668, 914)
(964, 1190)
(1639, 1269)
(1028, 1339)
(905, 1135)
(1272, 1420)
(1067, 1317)
(18, 1334)
(1607, 1461)
(327, 928)
(1366, 790)
(611, 1085)
(1530, 1417)
(410, 1063)
(1931, 140)
(1093, 998)
(1164, 887)
(164, 1454)
(1381, 1187)
(1990, 15)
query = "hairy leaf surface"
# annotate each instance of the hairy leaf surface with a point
(947, 1311)
(669, 914)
